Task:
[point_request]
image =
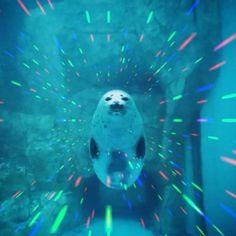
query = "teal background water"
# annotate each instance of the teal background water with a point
(57, 58)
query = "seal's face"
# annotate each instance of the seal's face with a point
(116, 102)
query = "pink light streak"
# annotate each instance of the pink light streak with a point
(187, 41)
(229, 160)
(217, 66)
(163, 175)
(231, 194)
(77, 182)
(40, 7)
(23, 7)
(225, 42)
(50, 4)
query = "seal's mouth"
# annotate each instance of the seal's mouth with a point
(117, 108)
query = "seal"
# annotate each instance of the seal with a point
(117, 141)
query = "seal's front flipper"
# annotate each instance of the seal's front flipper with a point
(94, 149)
(140, 148)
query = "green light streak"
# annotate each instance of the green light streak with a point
(172, 44)
(108, 220)
(201, 232)
(192, 204)
(217, 229)
(35, 62)
(159, 154)
(81, 51)
(88, 16)
(131, 166)
(177, 120)
(177, 97)
(123, 48)
(70, 63)
(81, 201)
(160, 68)
(171, 36)
(35, 208)
(108, 17)
(229, 120)
(228, 96)
(198, 60)
(19, 195)
(34, 219)
(58, 220)
(90, 233)
(176, 188)
(27, 66)
(58, 195)
(197, 187)
(149, 17)
(35, 47)
(213, 137)
(16, 83)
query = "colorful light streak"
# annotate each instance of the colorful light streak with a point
(229, 96)
(178, 97)
(40, 7)
(213, 137)
(194, 5)
(35, 218)
(217, 66)
(16, 83)
(229, 120)
(231, 194)
(108, 17)
(229, 160)
(225, 42)
(163, 175)
(77, 182)
(108, 220)
(50, 4)
(187, 41)
(24, 7)
(228, 210)
(150, 15)
(197, 187)
(171, 36)
(88, 18)
(59, 218)
(200, 231)
(36, 228)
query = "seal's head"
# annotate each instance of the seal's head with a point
(116, 102)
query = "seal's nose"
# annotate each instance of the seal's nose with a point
(116, 106)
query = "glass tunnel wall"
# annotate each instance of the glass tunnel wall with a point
(155, 156)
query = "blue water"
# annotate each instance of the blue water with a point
(157, 159)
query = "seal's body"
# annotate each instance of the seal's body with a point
(117, 143)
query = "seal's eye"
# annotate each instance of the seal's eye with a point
(108, 98)
(125, 99)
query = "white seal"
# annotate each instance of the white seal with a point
(117, 143)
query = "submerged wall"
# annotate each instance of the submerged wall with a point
(219, 176)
